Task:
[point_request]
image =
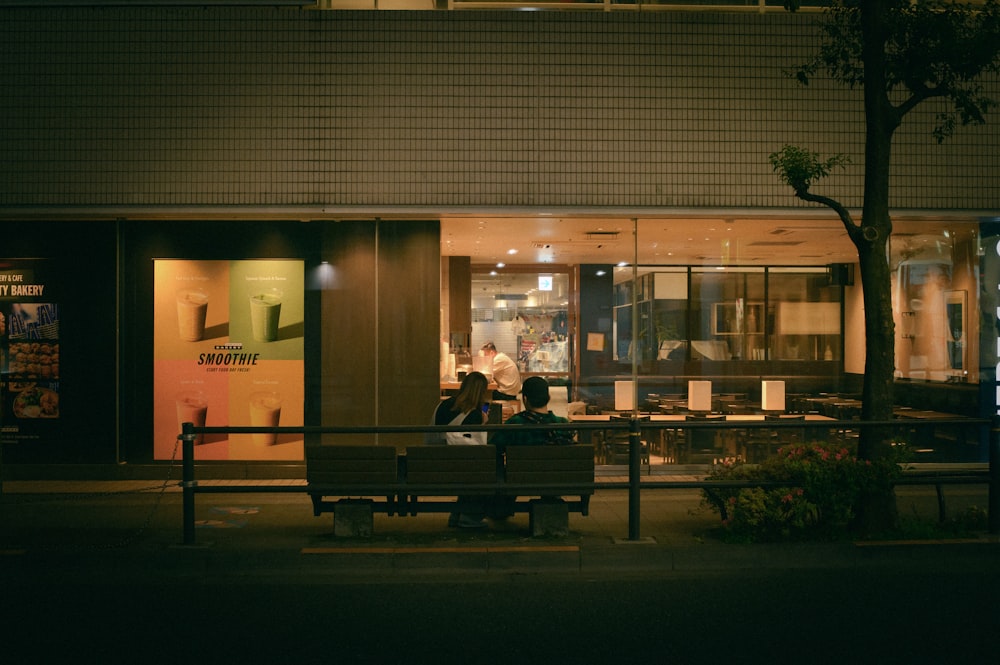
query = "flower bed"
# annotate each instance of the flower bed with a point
(822, 489)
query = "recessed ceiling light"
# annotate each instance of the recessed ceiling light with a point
(501, 265)
(512, 252)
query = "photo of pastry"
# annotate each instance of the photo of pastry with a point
(34, 401)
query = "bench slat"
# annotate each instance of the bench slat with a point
(577, 451)
(441, 477)
(344, 477)
(550, 464)
(350, 453)
(550, 477)
(450, 465)
(351, 465)
(356, 465)
(421, 453)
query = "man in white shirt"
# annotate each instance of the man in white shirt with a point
(505, 373)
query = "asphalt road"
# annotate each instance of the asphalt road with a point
(79, 583)
(915, 612)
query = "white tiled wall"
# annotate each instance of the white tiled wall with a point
(190, 106)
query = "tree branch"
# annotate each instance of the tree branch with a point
(853, 230)
(919, 96)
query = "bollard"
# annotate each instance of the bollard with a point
(993, 514)
(188, 482)
(634, 450)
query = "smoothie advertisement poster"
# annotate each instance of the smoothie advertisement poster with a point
(29, 351)
(228, 352)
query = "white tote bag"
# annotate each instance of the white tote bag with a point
(464, 438)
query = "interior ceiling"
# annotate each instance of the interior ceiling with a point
(526, 242)
(658, 241)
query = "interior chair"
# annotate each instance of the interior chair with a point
(762, 443)
(616, 443)
(700, 446)
(789, 435)
(758, 442)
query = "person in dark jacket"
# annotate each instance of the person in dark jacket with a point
(535, 397)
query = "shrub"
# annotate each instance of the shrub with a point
(813, 492)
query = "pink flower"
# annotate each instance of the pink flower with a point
(786, 499)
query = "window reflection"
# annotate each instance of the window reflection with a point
(934, 290)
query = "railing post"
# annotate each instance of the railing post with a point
(994, 500)
(188, 483)
(634, 450)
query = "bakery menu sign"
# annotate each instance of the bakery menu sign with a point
(29, 351)
(228, 351)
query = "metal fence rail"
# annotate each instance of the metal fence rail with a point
(635, 484)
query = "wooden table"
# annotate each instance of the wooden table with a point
(928, 441)
(839, 408)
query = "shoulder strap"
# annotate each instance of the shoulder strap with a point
(533, 417)
(459, 418)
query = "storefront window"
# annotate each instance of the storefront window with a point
(935, 294)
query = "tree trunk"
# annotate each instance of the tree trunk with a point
(872, 239)
(877, 511)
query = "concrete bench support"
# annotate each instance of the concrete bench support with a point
(548, 518)
(353, 518)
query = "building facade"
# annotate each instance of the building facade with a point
(346, 141)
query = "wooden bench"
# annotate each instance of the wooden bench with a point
(445, 479)
(353, 471)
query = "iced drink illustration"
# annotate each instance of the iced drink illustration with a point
(192, 306)
(265, 411)
(192, 407)
(265, 310)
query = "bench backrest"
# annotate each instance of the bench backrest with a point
(351, 465)
(550, 464)
(451, 465)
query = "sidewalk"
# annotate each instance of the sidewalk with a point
(118, 528)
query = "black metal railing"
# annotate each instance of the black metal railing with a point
(634, 426)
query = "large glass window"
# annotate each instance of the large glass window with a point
(728, 314)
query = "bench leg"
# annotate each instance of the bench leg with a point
(548, 517)
(353, 518)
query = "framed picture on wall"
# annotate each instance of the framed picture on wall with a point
(954, 305)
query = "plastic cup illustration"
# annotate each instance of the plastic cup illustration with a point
(265, 411)
(192, 306)
(265, 311)
(192, 407)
